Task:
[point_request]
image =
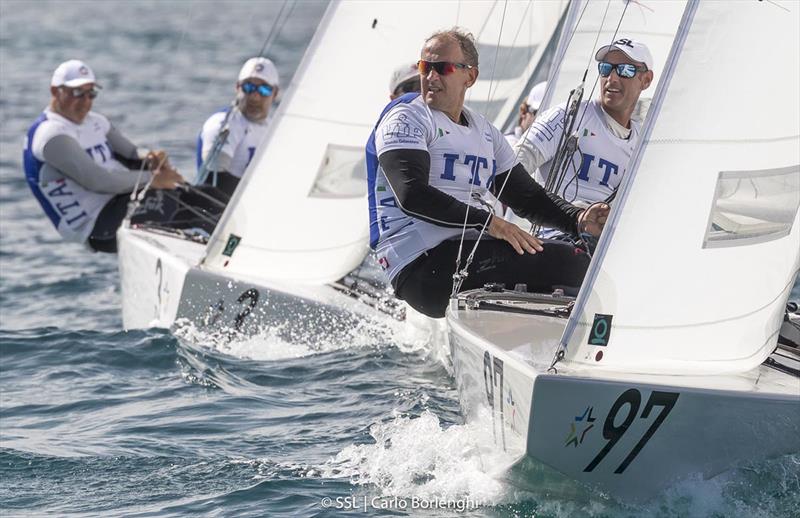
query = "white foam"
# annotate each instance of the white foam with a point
(263, 346)
(276, 343)
(418, 458)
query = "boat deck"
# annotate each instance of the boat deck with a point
(504, 321)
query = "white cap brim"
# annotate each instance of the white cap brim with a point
(643, 57)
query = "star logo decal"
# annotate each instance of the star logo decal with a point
(578, 428)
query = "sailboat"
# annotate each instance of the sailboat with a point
(296, 228)
(667, 364)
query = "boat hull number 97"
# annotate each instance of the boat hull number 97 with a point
(630, 401)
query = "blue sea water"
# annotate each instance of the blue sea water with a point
(97, 421)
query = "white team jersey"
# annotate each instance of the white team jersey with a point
(605, 155)
(242, 141)
(72, 208)
(464, 159)
(513, 137)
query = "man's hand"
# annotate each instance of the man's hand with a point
(518, 238)
(166, 177)
(593, 219)
(156, 159)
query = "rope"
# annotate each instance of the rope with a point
(459, 276)
(224, 132)
(567, 148)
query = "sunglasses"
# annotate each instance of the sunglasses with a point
(263, 90)
(442, 68)
(623, 69)
(77, 93)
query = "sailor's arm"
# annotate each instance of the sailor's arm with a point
(540, 143)
(407, 171)
(530, 200)
(529, 155)
(66, 155)
(132, 156)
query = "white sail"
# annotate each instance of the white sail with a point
(597, 23)
(300, 212)
(695, 265)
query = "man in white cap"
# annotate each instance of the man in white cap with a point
(606, 132)
(405, 80)
(256, 90)
(82, 170)
(527, 112)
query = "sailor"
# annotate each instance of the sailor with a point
(256, 90)
(405, 79)
(607, 132)
(82, 169)
(429, 159)
(528, 110)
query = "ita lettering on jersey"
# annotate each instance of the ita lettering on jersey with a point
(603, 159)
(71, 208)
(463, 160)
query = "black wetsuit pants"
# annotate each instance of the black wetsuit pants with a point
(160, 207)
(226, 182)
(426, 283)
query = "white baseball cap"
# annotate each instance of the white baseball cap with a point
(534, 99)
(633, 49)
(262, 68)
(402, 74)
(72, 73)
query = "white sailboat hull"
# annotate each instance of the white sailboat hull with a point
(631, 436)
(163, 283)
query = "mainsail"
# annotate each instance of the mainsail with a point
(695, 265)
(300, 212)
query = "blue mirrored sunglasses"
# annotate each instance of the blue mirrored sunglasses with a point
(263, 90)
(626, 70)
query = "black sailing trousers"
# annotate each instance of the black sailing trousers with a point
(426, 283)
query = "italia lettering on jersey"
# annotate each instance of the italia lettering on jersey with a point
(464, 160)
(71, 208)
(243, 139)
(603, 159)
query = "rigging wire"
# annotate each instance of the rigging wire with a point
(613, 39)
(575, 171)
(509, 54)
(222, 136)
(459, 276)
(568, 143)
(272, 29)
(561, 350)
(574, 101)
(138, 195)
(555, 179)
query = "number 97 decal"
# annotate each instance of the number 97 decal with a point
(631, 399)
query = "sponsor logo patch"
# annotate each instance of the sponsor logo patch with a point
(601, 330)
(230, 246)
